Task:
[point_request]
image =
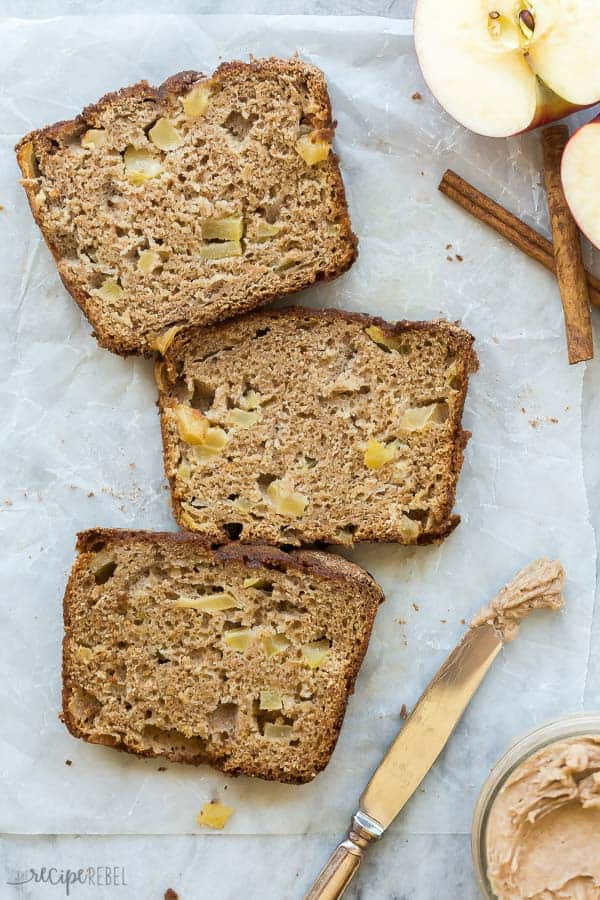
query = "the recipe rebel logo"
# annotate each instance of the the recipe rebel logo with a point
(67, 879)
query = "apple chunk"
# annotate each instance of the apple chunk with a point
(501, 67)
(580, 173)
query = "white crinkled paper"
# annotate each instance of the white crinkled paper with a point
(80, 442)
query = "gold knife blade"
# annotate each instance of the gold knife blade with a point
(426, 731)
(412, 754)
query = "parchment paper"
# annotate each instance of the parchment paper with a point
(80, 443)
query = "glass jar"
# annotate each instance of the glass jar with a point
(579, 725)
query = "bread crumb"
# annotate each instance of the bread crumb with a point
(417, 96)
(68, 762)
(403, 711)
(463, 621)
(523, 410)
(91, 494)
(8, 502)
(448, 246)
(416, 607)
(534, 423)
(459, 257)
(162, 769)
(449, 258)
(170, 894)
(444, 621)
(553, 420)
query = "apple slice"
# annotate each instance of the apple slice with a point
(580, 173)
(501, 67)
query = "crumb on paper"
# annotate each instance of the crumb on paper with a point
(448, 246)
(170, 894)
(459, 257)
(449, 258)
(214, 815)
(444, 621)
(417, 96)
(416, 607)
(550, 420)
(523, 410)
(91, 494)
(8, 502)
(403, 711)
(463, 621)
(68, 762)
(162, 769)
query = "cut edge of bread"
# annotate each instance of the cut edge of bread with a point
(326, 565)
(460, 437)
(173, 85)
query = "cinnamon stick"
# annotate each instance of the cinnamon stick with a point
(523, 236)
(567, 250)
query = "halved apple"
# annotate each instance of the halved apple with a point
(501, 67)
(580, 173)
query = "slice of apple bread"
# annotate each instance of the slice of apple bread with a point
(240, 657)
(191, 202)
(298, 425)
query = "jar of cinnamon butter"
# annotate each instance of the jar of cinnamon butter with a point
(536, 826)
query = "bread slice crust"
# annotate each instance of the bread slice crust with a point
(252, 142)
(184, 366)
(247, 753)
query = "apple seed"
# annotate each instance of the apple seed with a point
(494, 23)
(527, 23)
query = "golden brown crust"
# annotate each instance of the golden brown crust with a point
(324, 565)
(172, 87)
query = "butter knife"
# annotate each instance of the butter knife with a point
(414, 751)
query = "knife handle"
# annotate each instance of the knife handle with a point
(343, 863)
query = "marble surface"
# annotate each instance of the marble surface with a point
(404, 866)
(41, 8)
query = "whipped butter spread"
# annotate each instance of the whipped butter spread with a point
(538, 586)
(543, 830)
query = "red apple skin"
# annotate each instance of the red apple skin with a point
(595, 123)
(551, 107)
